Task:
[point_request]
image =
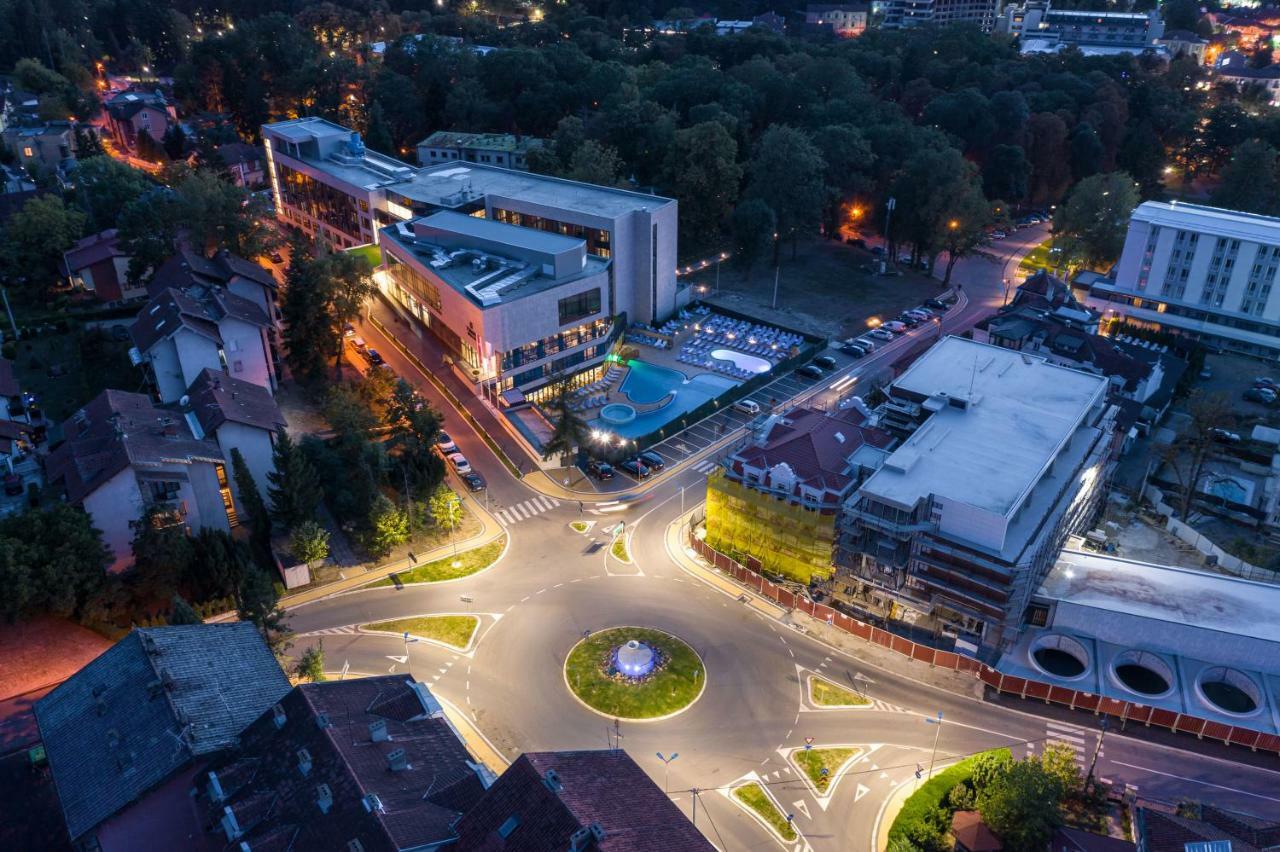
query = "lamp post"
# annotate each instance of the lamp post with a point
(666, 763)
(936, 735)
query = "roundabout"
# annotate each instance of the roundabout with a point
(634, 674)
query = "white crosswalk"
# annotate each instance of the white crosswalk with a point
(526, 510)
(333, 631)
(706, 466)
(1071, 736)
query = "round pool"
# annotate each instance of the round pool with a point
(742, 360)
(617, 414)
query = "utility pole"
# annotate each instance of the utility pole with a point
(1093, 764)
(666, 762)
(936, 735)
(888, 218)
(695, 792)
(776, 271)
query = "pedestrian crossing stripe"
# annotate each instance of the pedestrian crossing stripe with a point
(706, 466)
(333, 631)
(526, 510)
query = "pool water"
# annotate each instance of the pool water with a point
(742, 360)
(648, 383)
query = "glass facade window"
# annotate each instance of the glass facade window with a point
(413, 282)
(579, 306)
(319, 201)
(557, 342)
(598, 240)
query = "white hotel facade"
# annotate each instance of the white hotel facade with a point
(1200, 271)
(510, 337)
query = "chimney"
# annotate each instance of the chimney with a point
(397, 760)
(373, 804)
(324, 798)
(304, 761)
(322, 720)
(552, 780)
(586, 837)
(278, 716)
(378, 731)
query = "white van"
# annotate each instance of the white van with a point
(747, 406)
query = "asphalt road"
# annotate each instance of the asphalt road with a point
(551, 586)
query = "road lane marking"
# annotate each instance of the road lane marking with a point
(1196, 781)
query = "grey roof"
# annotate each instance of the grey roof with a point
(197, 308)
(139, 712)
(217, 398)
(494, 231)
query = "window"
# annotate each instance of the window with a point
(28, 151)
(504, 830)
(574, 308)
(163, 492)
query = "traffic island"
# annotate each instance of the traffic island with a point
(634, 673)
(619, 550)
(824, 766)
(760, 805)
(451, 631)
(580, 527)
(827, 695)
(464, 564)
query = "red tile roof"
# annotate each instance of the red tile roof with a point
(545, 798)
(972, 833)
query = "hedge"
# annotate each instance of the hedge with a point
(915, 820)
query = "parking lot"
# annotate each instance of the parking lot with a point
(1233, 375)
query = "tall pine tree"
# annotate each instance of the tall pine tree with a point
(295, 490)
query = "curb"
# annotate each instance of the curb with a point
(468, 648)
(564, 671)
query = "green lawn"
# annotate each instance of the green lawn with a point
(826, 694)
(619, 550)
(677, 685)
(922, 806)
(455, 630)
(370, 254)
(579, 526)
(1039, 257)
(469, 562)
(813, 761)
(65, 371)
(753, 796)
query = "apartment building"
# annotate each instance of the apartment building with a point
(504, 150)
(125, 456)
(903, 14)
(327, 184)
(1042, 29)
(1198, 271)
(135, 112)
(515, 305)
(844, 20)
(1003, 455)
(1234, 67)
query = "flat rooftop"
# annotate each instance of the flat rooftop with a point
(369, 171)
(1019, 412)
(453, 184)
(1252, 227)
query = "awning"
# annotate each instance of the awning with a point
(515, 396)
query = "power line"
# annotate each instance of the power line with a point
(707, 811)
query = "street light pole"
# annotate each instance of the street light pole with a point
(666, 762)
(936, 735)
(1093, 764)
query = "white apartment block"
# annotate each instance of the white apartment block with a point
(1200, 271)
(327, 184)
(1005, 454)
(903, 14)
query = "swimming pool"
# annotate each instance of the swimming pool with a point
(742, 360)
(648, 383)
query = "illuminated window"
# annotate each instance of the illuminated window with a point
(28, 151)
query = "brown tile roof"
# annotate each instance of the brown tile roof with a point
(816, 446)
(187, 269)
(196, 308)
(544, 798)
(92, 249)
(116, 430)
(239, 152)
(217, 398)
(328, 726)
(973, 834)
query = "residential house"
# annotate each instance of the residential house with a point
(971, 834)
(1067, 839)
(17, 440)
(179, 333)
(100, 266)
(1003, 455)
(238, 415)
(1184, 43)
(49, 147)
(506, 150)
(1234, 67)
(1193, 827)
(125, 736)
(245, 164)
(123, 456)
(134, 112)
(577, 800)
(776, 501)
(243, 278)
(844, 20)
(365, 764)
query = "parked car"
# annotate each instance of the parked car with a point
(459, 462)
(475, 482)
(809, 371)
(1206, 372)
(444, 443)
(894, 327)
(635, 467)
(826, 362)
(1225, 436)
(653, 460)
(908, 320)
(880, 334)
(375, 357)
(997, 235)
(600, 469)
(920, 313)
(856, 242)
(348, 330)
(936, 304)
(867, 344)
(1266, 396)
(1265, 382)
(358, 344)
(853, 350)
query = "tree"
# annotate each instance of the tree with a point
(181, 612)
(310, 665)
(1091, 224)
(295, 491)
(220, 215)
(701, 170)
(163, 555)
(174, 142)
(414, 427)
(1181, 14)
(1185, 456)
(88, 146)
(594, 163)
(51, 561)
(1021, 804)
(105, 187)
(787, 174)
(445, 508)
(753, 228)
(339, 285)
(967, 227)
(388, 526)
(250, 497)
(306, 326)
(35, 239)
(309, 542)
(377, 135)
(1006, 173)
(1087, 151)
(1047, 150)
(567, 429)
(937, 188)
(1250, 181)
(149, 228)
(258, 603)
(849, 164)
